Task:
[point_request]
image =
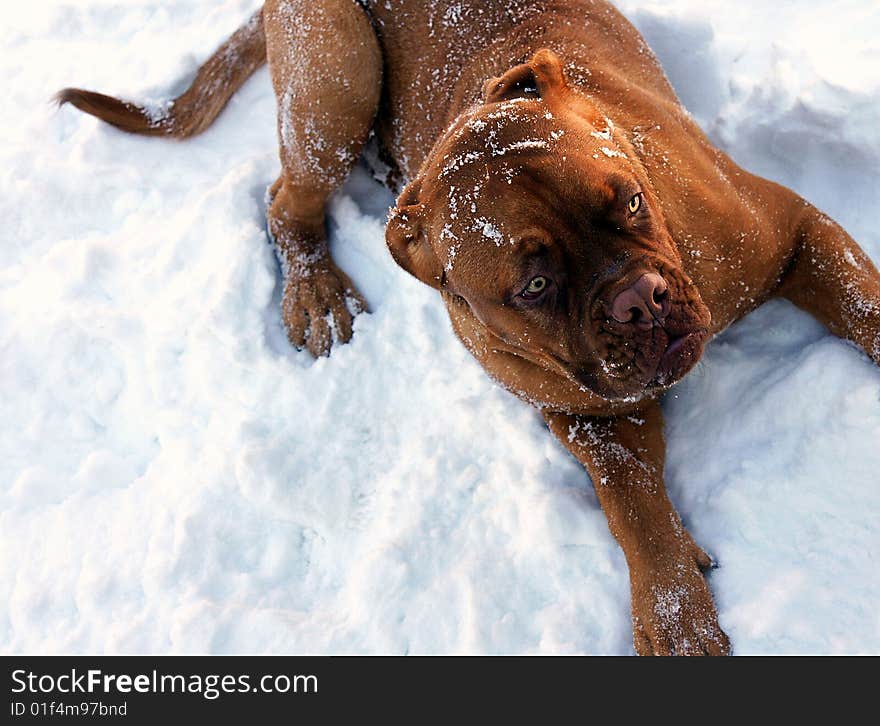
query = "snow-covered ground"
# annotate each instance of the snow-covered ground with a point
(174, 477)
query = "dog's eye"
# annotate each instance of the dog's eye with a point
(535, 288)
(635, 204)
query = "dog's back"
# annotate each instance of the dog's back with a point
(437, 55)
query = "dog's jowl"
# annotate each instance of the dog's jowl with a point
(586, 237)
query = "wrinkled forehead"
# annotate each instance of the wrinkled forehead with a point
(495, 203)
(493, 136)
(501, 133)
(518, 141)
(514, 171)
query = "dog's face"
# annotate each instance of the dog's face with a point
(533, 211)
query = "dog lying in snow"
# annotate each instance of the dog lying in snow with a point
(586, 237)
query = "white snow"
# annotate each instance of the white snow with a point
(174, 477)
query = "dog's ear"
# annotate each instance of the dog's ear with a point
(407, 240)
(541, 76)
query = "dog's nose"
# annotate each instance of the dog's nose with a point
(643, 302)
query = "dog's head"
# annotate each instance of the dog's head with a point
(533, 210)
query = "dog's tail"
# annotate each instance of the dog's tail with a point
(194, 110)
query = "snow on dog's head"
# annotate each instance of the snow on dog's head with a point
(533, 214)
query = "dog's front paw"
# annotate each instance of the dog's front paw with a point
(319, 306)
(673, 612)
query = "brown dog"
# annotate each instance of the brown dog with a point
(586, 236)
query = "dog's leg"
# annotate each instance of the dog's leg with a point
(326, 69)
(672, 608)
(833, 279)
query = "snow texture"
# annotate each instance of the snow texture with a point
(174, 477)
